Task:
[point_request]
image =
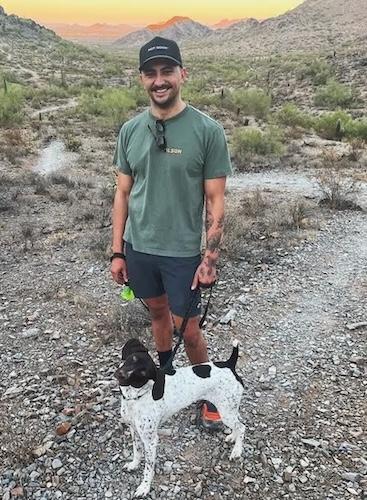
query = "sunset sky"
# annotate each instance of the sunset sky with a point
(143, 12)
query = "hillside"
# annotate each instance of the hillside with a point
(181, 29)
(313, 25)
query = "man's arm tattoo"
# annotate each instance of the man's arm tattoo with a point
(213, 242)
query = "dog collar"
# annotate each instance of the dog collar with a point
(140, 394)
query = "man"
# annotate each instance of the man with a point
(171, 158)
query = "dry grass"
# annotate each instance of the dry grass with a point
(338, 189)
(257, 222)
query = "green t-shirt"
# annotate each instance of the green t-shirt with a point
(165, 213)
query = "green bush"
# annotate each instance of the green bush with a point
(291, 116)
(139, 95)
(111, 104)
(254, 102)
(318, 71)
(334, 95)
(199, 93)
(42, 96)
(248, 142)
(11, 105)
(333, 125)
(356, 129)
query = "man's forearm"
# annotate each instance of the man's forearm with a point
(119, 216)
(214, 225)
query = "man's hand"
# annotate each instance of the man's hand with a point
(206, 274)
(119, 270)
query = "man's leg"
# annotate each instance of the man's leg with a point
(145, 280)
(162, 324)
(195, 343)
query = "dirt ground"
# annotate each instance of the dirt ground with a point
(299, 312)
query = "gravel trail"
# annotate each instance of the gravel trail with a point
(303, 359)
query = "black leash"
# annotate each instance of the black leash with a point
(180, 333)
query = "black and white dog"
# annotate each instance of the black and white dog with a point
(149, 397)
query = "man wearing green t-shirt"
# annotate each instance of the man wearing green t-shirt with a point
(171, 158)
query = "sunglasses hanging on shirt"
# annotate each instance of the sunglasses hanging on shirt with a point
(159, 135)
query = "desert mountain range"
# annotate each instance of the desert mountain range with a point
(94, 32)
(313, 25)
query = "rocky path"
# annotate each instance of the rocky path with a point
(303, 359)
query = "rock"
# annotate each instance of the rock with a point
(314, 443)
(356, 326)
(56, 463)
(304, 462)
(351, 477)
(34, 475)
(228, 317)
(63, 428)
(276, 462)
(249, 479)
(28, 333)
(13, 391)
(167, 467)
(272, 371)
(288, 474)
(18, 491)
(199, 489)
(42, 449)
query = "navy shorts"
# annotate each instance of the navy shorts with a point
(155, 275)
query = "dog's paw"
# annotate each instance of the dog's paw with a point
(231, 438)
(236, 453)
(142, 490)
(130, 466)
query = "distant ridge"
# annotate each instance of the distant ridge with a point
(166, 24)
(98, 31)
(313, 25)
(178, 28)
(225, 23)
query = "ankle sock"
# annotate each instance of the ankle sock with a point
(164, 357)
(212, 408)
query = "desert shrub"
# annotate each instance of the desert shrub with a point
(199, 92)
(254, 102)
(356, 129)
(72, 143)
(111, 104)
(291, 116)
(11, 105)
(337, 189)
(334, 95)
(356, 147)
(248, 142)
(139, 95)
(318, 71)
(112, 69)
(40, 96)
(332, 125)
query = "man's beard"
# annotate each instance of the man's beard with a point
(172, 99)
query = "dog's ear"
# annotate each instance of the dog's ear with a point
(132, 345)
(158, 386)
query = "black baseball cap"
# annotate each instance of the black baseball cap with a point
(159, 48)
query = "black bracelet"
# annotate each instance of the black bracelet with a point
(117, 255)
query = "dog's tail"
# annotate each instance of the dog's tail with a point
(232, 361)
